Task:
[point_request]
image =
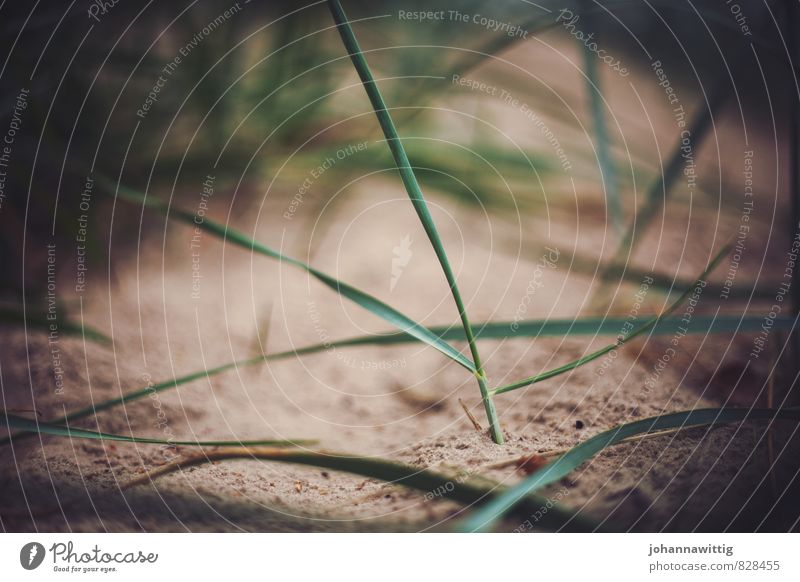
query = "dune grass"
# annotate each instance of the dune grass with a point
(642, 329)
(493, 501)
(488, 515)
(417, 200)
(15, 422)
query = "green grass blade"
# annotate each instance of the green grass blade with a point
(604, 157)
(621, 341)
(368, 302)
(456, 488)
(536, 328)
(487, 515)
(660, 191)
(25, 424)
(497, 330)
(417, 198)
(40, 321)
(747, 290)
(591, 326)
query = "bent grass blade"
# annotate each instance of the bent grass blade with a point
(24, 424)
(465, 491)
(491, 330)
(414, 191)
(634, 334)
(368, 302)
(485, 517)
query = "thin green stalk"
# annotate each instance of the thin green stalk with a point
(487, 515)
(607, 169)
(661, 189)
(365, 300)
(417, 199)
(39, 320)
(489, 330)
(456, 488)
(602, 351)
(36, 427)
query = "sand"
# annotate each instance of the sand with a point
(400, 402)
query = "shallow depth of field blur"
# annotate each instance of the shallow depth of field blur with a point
(582, 160)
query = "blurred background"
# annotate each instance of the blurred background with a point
(262, 94)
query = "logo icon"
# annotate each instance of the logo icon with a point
(31, 555)
(402, 255)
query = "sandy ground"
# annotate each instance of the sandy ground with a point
(409, 410)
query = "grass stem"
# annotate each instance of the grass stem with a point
(620, 341)
(417, 199)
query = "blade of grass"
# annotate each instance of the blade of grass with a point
(452, 487)
(487, 515)
(746, 290)
(659, 192)
(417, 199)
(368, 302)
(39, 320)
(492, 330)
(604, 157)
(635, 333)
(25, 424)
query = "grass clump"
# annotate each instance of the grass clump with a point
(495, 501)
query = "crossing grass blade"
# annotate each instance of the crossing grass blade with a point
(455, 488)
(604, 156)
(25, 424)
(621, 341)
(661, 189)
(747, 290)
(368, 302)
(414, 191)
(40, 321)
(491, 330)
(487, 516)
